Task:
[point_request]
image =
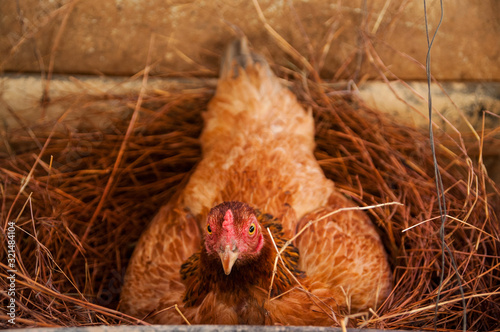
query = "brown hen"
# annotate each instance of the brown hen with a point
(210, 253)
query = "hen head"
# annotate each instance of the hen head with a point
(234, 234)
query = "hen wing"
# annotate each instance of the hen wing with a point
(153, 271)
(345, 252)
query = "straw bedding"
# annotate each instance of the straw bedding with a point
(90, 190)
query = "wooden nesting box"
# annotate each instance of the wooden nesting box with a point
(72, 73)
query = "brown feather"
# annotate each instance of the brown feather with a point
(203, 274)
(242, 297)
(257, 147)
(349, 257)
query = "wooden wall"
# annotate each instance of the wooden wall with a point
(113, 37)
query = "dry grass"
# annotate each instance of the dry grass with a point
(80, 205)
(375, 160)
(63, 280)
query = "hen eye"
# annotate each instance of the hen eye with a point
(251, 230)
(209, 230)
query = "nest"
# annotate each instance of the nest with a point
(80, 194)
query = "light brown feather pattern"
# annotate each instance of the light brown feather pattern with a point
(169, 241)
(257, 147)
(346, 253)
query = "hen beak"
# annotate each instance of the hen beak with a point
(228, 257)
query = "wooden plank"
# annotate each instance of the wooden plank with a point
(113, 37)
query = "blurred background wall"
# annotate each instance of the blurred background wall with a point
(113, 37)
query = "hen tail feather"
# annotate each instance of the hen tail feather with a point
(238, 56)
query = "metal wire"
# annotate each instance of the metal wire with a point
(439, 181)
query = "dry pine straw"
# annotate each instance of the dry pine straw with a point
(71, 259)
